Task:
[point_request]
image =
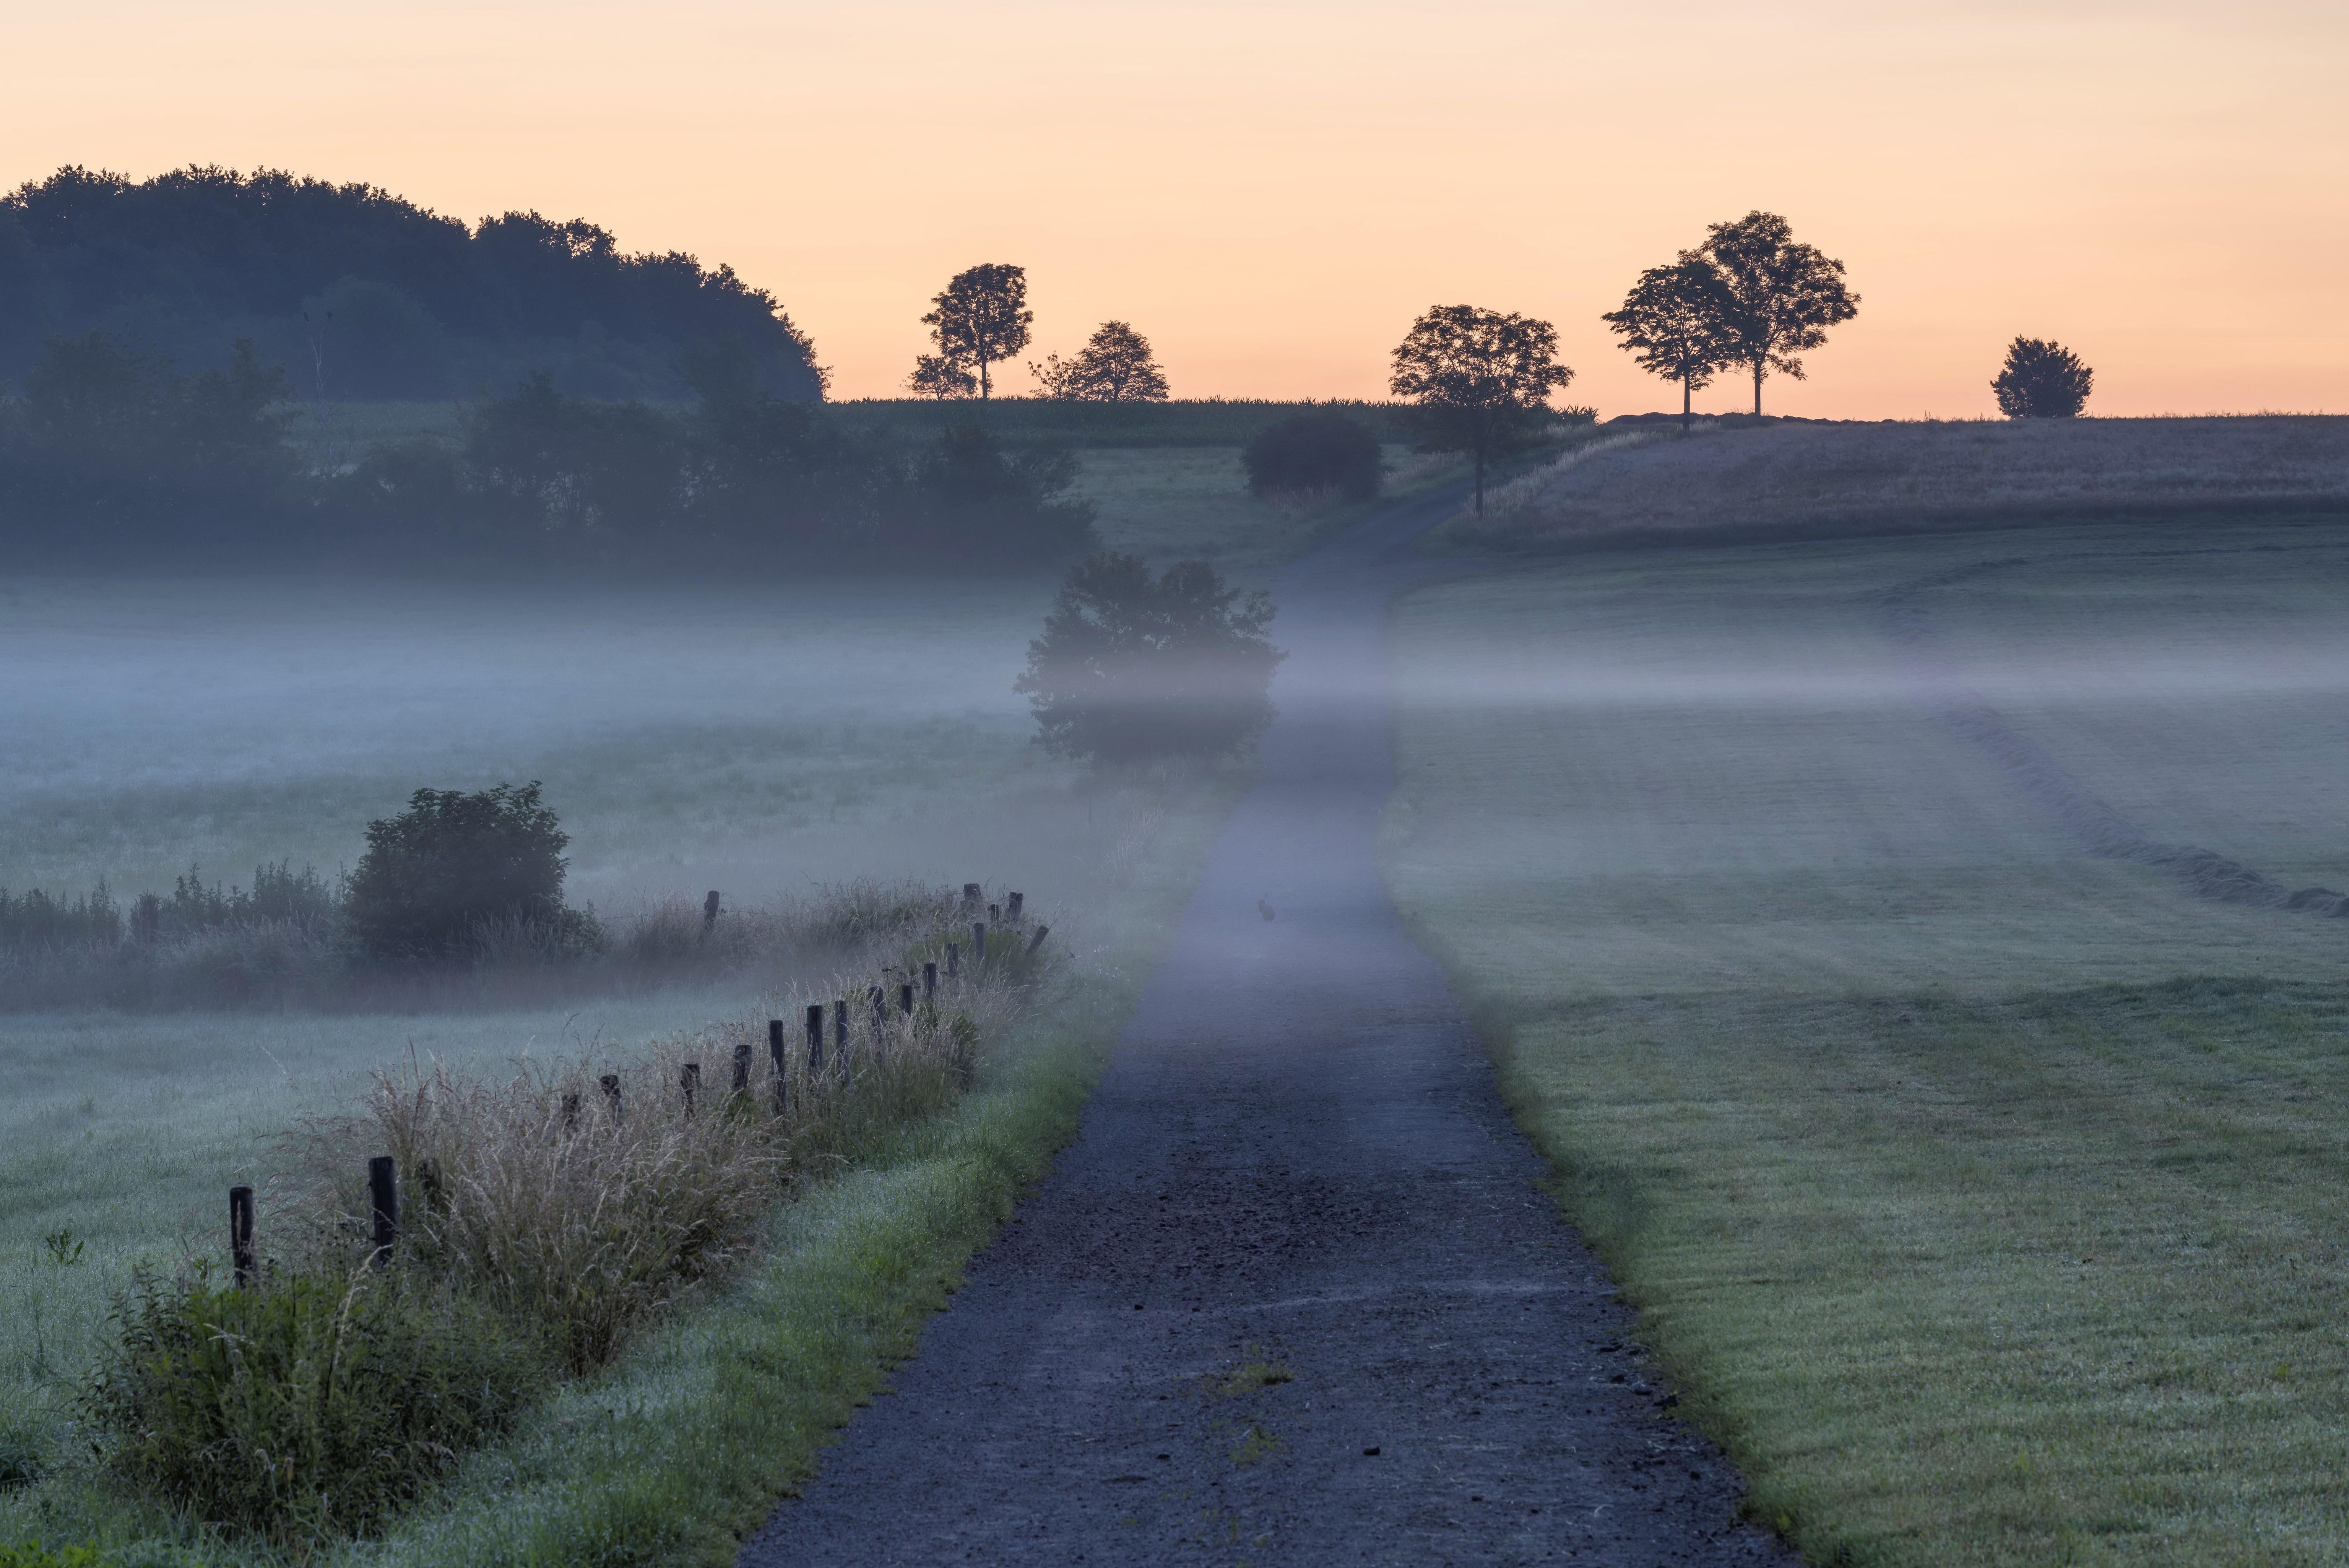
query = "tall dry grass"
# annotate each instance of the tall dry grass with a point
(580, 1195)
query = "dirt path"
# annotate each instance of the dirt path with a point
(1297, 1160)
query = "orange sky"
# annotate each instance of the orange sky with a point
(1272, 191)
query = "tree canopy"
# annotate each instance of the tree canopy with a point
(1777, 296)
(980, 319)
(1136, 665)
(1671, 324)
(1115, 366)
(1481, 379)
(2042, 381)
(369, 295)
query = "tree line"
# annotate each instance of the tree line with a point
(112, 454)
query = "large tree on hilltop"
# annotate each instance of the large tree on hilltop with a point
(1115, 366)
(1671, 324)
(1779, 295)
(1482, 379)
(982, 318)
(2042, 380)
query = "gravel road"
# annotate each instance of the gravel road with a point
(1292, 1296)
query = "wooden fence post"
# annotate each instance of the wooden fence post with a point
(815, 1038)
(971, 896)
(570, 1113)
(880, 1011)
(383, 1197)
(782, 1072)
(709, 911)
(995, 914)
(741, 1067)
(240, 1236)
(611, 1082)
(840, 1035)
(978, 942)
(930, 982)
(906, 999)
(1011, 906)
(953, 961)
(1038, 940)
(688, 1078)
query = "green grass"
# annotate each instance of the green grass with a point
(1964, 1207)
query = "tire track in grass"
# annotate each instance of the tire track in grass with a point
(2101, 829)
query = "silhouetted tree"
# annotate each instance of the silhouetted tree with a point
(1779, 295)
(2042, 381)
(1671, 324)
(1483, 380)
(1135, 666)
(1319, 449)
(935, 376)
(1115, 366)
(981, 318)
(453, 863)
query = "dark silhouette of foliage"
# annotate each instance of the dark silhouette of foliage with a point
(1115, 366)
(2042, 381)
(968, 499)
(982, 318)
(1483, 380)
(1136, 665)
(1671, 324)
(371, 296)
(935, 376)
(1777, 296)
(1316, 450)
(453, 865)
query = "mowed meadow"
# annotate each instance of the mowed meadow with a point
(770, 740)
(1984, 1195)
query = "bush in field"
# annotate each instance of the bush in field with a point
(454, 868)
(968, 499)
(310, 1405)
(1314, 451)
(1135, 666)
(2042, 381)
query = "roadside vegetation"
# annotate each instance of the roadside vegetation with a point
(1981, 1194)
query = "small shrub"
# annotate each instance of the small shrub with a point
(454, 868)
(1314, 451)
(315, 1406)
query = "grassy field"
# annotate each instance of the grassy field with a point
(1822, 481)
(1984, 1197)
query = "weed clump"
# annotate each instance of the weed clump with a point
(311, 1406)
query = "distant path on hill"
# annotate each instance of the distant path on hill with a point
(1297, 1159)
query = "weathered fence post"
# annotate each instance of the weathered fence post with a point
(611, 1082)
(839, 1033)
(240, 1235)
(383, 1197)
(709, 911)
(688, 1078)
(953, 961)
(930, 982)
(971, 896)
(995, 914)
(815, 1038)
(978, 942)
(1011, 906)
(782, 1073)
(570, 1113)
(741, 1067)
(906, 999)
(1038, 940)
(880, 1011)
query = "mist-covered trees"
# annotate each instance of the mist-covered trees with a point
(982, 318)
(1318, 449)
(1482, 379)
(1115, 366)
(1671, 324)
(399, 302)
(2042, 381)
(1136, 665)
(457, 867)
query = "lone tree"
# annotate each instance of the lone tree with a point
(1137, 667)
(1779, 295)
(2042, 381)
(1671, 324)
(1115, 366)
(439, 876)
(935, 376)
(982, 319)
(1483, 380)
